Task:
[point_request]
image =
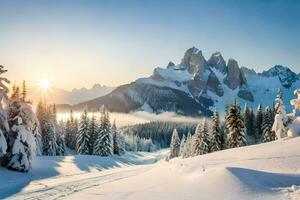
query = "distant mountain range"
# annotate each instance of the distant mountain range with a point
(196, 87)
(61, 96)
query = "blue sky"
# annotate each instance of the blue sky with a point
(78, 43)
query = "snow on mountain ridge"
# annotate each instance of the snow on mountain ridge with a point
(204, 84)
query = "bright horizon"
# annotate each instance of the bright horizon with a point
(75, 44)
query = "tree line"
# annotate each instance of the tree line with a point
(238, 129)
(86, 136)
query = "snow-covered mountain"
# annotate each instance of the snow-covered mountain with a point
(61, 96)
(196, 86)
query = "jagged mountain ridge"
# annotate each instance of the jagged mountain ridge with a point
(196, 86)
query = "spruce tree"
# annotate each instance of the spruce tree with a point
(61, 147)
(235, 125)
(104, 142)
(116, 140)
(49, 140)
(21, 140)
(224, 133)
(83, 139)
(280, 120)
(201, 140)
(249, 125)
(258, 124)
(24, 92)
(71, 132)
(182, 143)
(188, 146)
(93, 130)
(215, 132)
(175, 145)
(268, 134)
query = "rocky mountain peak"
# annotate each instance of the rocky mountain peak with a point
(286, 76)
(235, 76)
(194, 61)
(217, 61)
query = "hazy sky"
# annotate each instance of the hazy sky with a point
(77, 43)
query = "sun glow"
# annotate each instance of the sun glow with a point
(44, 84)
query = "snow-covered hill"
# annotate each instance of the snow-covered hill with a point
(264, 171)
(196, 86)
(56, 176)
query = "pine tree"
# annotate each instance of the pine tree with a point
(224, 133)
(61, 147)
(104, 142)
(24, 92)
(83, 139)
(188, 146)
(268, 134)
(93, 130)
(249, 125)
(49, 140)
(116, 140)
(4, 126)
(258, 123)
(280, 119)
(175, 145)
(182, 143)
(201, 140)
(21, 140)
(48, 128)
(235, 125)
(71, 132)
(215, 132)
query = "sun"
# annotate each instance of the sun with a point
(44, 84)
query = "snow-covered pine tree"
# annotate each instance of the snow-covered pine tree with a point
(215, 132)
(21, 140)
(182, 143)
(75, 132)
(24, 92)
(61, 147)
(258, 124)
(224, 133)
(4, 127)
(49, 140)
(121, 140)
(71, 132)
(268, 134)
(235, 125)
(201, 139)
(116, 140)
(93, 131)
(188, 146)
(248, 125)
(280, 120)
(83, 139)
(104, 142)
(175, 145)
(59, 131)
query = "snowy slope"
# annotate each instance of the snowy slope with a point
(49, 171)
(266, 171)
